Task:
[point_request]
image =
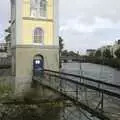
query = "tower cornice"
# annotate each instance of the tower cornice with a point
(38, 19)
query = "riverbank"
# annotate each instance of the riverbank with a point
(112, 62)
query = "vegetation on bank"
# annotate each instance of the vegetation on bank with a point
(106, 58)
(112, 62)
(4, 89)
(5, 92)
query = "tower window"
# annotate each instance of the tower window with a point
(38, 8)
(38, 35)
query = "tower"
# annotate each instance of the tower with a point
(34, 33)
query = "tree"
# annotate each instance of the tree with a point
(117, 53)
(107, 53)
(61, 44)
(91, 54)
(98, 53)
(64, 53)
(72, 53)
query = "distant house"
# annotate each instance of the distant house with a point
(8, 44)
(118, 42)
(8, 40)
(115, 47)
(90, 52)
(106, 47)
(3, 53)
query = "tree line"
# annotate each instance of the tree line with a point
(104, 57)
(107, 53)
(64, 52)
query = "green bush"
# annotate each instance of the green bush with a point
(4, 89)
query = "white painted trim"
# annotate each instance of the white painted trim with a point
(39, 44)
(40, 17)
(55, 24)
(19, 5)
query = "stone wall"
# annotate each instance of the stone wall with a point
(22, 64)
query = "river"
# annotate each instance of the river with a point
(99, 72)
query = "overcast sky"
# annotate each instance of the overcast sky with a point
(84, 24)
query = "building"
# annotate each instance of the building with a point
(34, 33)
(115, 47)
(90, 52)
(3, 51)
(8, 41)
(103, 48)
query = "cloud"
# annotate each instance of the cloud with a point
(102, 32)
(4, 16)
(84, 24)
(89, 23)
(76, 25)
(89, 9)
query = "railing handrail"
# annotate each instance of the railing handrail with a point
(57, 81)
(86, 78)
(88, 86)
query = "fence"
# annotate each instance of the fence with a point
(97, 97)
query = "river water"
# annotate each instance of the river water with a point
(99, 72)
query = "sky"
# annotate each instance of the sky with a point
(83, 24)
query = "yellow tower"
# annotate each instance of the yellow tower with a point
(34, 27)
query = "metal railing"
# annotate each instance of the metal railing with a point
(100, 98)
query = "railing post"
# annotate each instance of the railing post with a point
(99, 87)
(76, 92)
(102, 102)
(61, 85)
(50, 81)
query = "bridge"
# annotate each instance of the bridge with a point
(73, 58)
(99, 98)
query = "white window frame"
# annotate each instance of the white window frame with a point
(37, 11)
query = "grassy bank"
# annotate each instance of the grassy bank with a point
(112, 62)
(5, 88)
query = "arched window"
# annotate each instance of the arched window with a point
(38, 8)
(38, 35)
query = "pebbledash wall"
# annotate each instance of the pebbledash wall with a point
(24, 48)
